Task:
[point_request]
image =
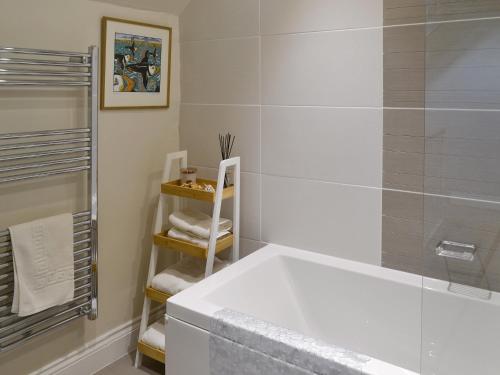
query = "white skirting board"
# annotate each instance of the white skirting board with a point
(100, 352)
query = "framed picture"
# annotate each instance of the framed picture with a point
(135, 65)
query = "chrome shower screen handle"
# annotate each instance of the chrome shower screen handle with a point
(456, 250)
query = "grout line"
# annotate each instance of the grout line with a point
(229, 39)
(428, 109)
(260, 120)
(384, 189)
(220, 104)
(347, 29)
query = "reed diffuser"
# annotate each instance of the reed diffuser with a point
(226, 143)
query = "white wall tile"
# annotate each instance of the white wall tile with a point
(221, 71)
(201, 125)
(342, 68)
(330, 144)
(338, 220)
(288, 16)
(213, 19)
(250, 203)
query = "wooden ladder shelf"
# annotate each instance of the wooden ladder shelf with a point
(162, 240)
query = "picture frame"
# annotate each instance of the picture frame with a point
(135, 65)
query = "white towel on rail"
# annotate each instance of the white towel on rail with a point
(197, 223)
(183, 236)
(43, 264)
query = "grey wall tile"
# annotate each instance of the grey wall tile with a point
(307, 69)
(221, 71)
(201, 125)
(291, 16)
(323, 217)
(408, 122)
(403, 205)
(415, 11)
(214, 19)
(404, 162)
(329, 144)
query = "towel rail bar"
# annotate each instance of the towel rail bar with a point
(45, 153)
(21, 167)
(37, 324)
(6, 323)
(82, 232)
(44, 133)
(21, 146)
(44, 174)
(32, 155)
(69, 64)
(6, 300)
(31, 51)
(6, 82)
(41, 73)
(15, 344)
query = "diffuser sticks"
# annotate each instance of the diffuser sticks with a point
(226, 143)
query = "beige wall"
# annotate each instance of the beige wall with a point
(132, 145)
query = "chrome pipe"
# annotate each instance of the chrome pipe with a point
(43, 164)
(81, 242)
(21, 146)
(44, 133)
(83, 260)
(81, 223)
(42, 73)
(38, 323)
(16, 61)
(7, 290)
(81, 214)
(82, 278)
(81, 269)
(81, 233)
(5, 82)
(44, 153)
(44, 174)
(31, 51)
(93, 124)
(15, 344)
(84, 286)
(6, 301)
(79, 252)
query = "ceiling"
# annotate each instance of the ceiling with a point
(168, 6)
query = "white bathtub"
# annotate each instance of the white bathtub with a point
(363, 308)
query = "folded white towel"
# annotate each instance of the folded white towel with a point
(155, 335)
(185, 273)
(201, 242)
(43, 264)
(197, 223)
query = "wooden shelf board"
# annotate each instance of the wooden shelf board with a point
(190, 249)
(157, 295)
(175, 188)
(151, 352)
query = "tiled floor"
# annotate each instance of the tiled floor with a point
(125, 366)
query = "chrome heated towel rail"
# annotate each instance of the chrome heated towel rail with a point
(41, 154)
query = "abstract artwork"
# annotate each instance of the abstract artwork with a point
(135, 72)
(137, 63)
